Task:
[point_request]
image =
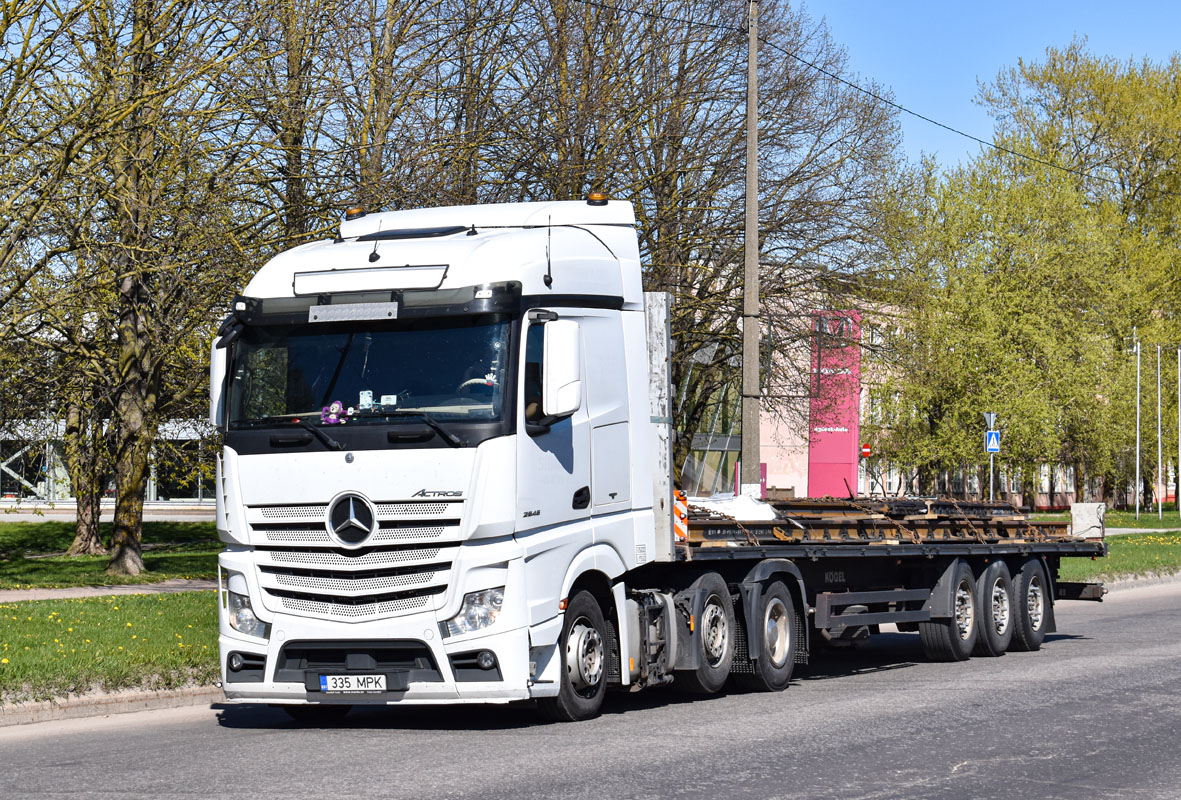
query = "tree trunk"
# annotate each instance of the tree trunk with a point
(80, 443)
(131, 473)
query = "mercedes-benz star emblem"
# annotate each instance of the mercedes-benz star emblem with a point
(351, 519)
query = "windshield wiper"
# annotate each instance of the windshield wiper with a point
(319, 434)
(434, 425)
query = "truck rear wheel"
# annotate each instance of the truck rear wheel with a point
(952, 639)
(994, 600)
(776, 624)
(1031, 598)
(713, 637)
(583, 649)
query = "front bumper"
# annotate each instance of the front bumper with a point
(285, 680)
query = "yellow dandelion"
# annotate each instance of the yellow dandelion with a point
(3, 660)
(128, 624)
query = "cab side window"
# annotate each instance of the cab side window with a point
(534, 352)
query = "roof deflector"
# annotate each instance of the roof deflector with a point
(412, 233)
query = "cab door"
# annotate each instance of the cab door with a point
(554, 459)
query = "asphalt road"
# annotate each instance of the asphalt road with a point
(1095, 713)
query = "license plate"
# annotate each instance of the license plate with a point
(352, 683)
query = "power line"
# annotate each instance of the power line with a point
(863, 90)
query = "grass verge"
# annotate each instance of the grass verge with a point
(1123, 519)
(58, 648)
(172, 550)
(1137, 554)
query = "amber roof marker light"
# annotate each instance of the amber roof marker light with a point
(354, 212)
(596, 199)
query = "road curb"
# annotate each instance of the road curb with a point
(1143, 580)
(102, 704)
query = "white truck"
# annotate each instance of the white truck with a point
(446, 478)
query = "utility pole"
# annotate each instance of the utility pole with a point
(751, 324)
(1137, 490)
(1160, 475)
(1177, 473)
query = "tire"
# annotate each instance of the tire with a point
(777, 652)
(318, 713)
(1031, 600)
(713, 637)
(994, 601)
(952, 639)
(583, 648)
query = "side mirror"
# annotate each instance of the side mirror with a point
(217, 381)
(561, 393)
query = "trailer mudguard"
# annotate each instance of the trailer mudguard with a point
(1052, 591)
(941, 602)
(751, 588)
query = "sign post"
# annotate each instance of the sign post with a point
(992, 445)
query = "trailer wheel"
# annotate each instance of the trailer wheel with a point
(713, 637)
(583, 646)
(994, 599)
(777, 651)
(1031, 599)
(952, 639)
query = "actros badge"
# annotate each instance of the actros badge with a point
(437, 493)
(351, 519)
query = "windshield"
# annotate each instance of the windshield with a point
(358, 373)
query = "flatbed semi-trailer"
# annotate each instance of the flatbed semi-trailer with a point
(446, 478)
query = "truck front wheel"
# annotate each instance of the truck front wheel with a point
(776, 624)
(583, 648)
(953, 638)
(713, 636)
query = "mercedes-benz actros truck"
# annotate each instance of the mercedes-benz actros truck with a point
(446, 478)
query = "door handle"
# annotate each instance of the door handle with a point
(582, 498)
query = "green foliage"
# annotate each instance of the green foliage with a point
(1022, 281)
(57, 648)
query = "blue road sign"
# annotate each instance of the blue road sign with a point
(992, 441)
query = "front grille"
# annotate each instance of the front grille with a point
(405, 565)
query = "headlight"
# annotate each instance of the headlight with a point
(241, 615)
(479, 610)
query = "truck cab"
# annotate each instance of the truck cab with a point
(436, 426)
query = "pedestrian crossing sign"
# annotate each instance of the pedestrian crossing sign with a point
(992, 441)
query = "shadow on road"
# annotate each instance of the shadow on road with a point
(881, 653)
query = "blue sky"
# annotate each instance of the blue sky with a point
(931, 54)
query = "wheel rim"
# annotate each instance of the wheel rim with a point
(777, 631)
(963, 611)
(584, 657)
(715, 632)
(1000, 607)
(1035, 603)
